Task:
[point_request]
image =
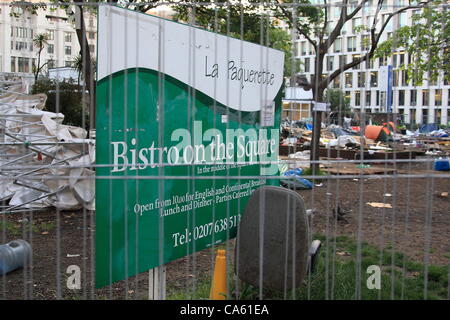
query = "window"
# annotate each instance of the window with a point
(361, 79)
(401, 97)
(356, 22)
(91, 35)
(23, 64)
(438, 97)
(342, 61)
(91, 22)
(365, 43)
(18, 10)
(348, 80)
(401, 59)
(21, 45)
(402, 20)
(329, 27)
(382, 61)
(338, 45)
(383, 21)
(357, 98)
(404, 76)
(377, 98)
(374, 78)
(369, 64)
(383, 100)
(425, 97)
(347, 95)
(413, 98)
(437, 116)
(425, 116)
(337, 10)
(337, 82)
(67, 37)
(50, 34)
(303, 48)
(368, 98)
(68, 50)
(13, 64)
(50, 48)
(91, 48)
(432, 79)
(68, 63)
(395, 78)
(351, 44)
(354, 57)
(307, 64)
(330, 61)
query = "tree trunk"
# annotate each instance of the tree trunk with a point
(318, 90)
(317, 123)
(86, 69)
(36, 72)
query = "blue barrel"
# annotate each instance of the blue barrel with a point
(14, 255)
(441, 165)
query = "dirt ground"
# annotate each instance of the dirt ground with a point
(418, 224)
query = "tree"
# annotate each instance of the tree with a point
(78, 65)
(427, 43)
(242, 21)
(339, 103)
(39, 41)
(311, 22)
(66, 97)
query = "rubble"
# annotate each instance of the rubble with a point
(377, 142)
(43, 162)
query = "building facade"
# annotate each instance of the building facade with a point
(418, 104)
(18, 28)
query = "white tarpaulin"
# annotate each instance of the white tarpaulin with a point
(36, 149)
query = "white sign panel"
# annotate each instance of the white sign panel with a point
(320, 106)
(238, 74)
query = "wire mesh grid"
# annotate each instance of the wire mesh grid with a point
(377, 204)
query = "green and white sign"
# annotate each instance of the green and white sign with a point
(187, 129)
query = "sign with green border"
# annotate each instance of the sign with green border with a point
(187, 128)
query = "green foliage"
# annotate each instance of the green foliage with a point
(10, 228)
(427, 43)
(243, 21)
(69, 96)
(340, 104)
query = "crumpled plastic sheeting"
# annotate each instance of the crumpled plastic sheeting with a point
(32, 124)
(300, 159)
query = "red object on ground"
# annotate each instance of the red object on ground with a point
(373, 132)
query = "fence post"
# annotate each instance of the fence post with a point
(157, 283)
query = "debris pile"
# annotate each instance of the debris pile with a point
(384, 141)
(374, 140)
(43, 162)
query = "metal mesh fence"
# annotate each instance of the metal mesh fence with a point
(362, 142)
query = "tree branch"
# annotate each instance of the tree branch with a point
(374, 41)
(299, 28)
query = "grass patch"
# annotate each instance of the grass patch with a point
(309, 172)
(340, 275)
(16, 229)
(10, 228)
